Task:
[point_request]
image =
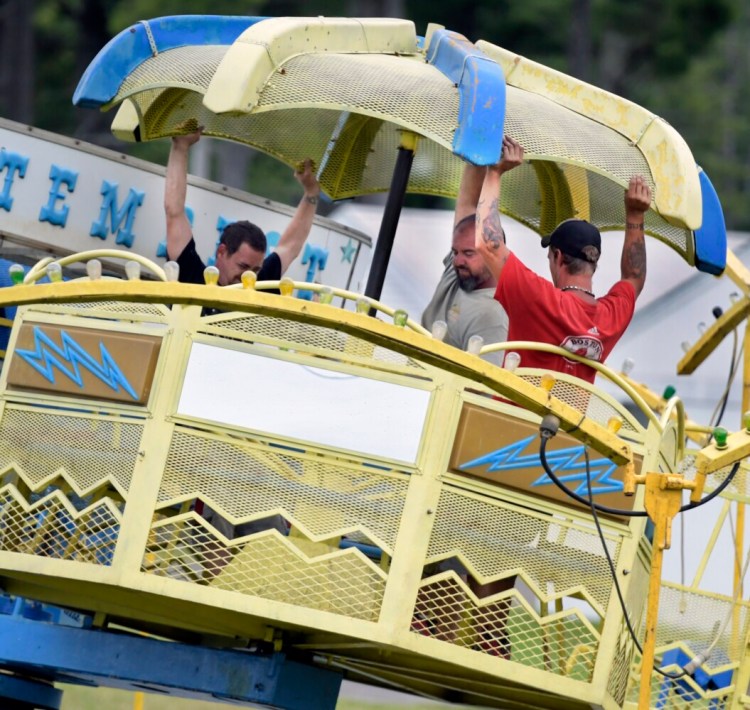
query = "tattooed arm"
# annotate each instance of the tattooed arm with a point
(633, 260)
(490, 237)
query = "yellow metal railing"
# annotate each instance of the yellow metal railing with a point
(233, 529)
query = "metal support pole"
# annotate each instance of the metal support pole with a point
(662, 501)
(391, 215)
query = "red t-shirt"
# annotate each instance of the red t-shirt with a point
(540, 312)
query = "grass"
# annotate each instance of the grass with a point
(82, 698)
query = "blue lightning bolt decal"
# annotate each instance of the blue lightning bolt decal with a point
(47, 354)
(569, 460)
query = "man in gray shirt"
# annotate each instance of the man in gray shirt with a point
(464, 297)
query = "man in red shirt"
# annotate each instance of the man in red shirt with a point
(565, 312)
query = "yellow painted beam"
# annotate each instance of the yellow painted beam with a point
(712, 337)
(737, 272)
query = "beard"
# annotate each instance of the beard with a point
(467, 283)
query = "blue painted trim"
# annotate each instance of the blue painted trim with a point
(374, 553)
(711, 236)
(123, 53)
(481, 104)
(92, 656)
(29, 693)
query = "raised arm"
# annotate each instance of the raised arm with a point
(490, 238)
(179, 231)
(469, 191)
(633, 260)
(294, 236)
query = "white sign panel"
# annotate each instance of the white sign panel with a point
(291, 400)
(67, 196)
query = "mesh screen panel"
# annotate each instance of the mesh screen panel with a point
(587, 402)
(505, 627)
(190, 68)
(394, 88)
(108, 309)
(738, 489)
(245, 481)
(635, 598)
(87, 451)
(619, 674)
(691, 617)
(494, 539)
(267, 565)
(56, 497)
(49, 525)
(308, 337)
(350, 128)
(687, 620)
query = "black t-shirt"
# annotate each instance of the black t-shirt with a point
(192, 266)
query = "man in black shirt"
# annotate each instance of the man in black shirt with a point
(242, 246)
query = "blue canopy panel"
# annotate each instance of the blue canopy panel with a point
(122, 54)
(711, 236)
(481, 84)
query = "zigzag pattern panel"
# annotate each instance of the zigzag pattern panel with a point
(241, 480)
(505, 626)
(90, 449)
(51, 525)
(493, 538)
(268, 565)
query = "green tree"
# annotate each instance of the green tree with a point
(682, 59)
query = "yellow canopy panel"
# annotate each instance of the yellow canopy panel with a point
(342, 92)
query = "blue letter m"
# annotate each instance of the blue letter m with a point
(126, 213)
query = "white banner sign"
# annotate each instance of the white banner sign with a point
(66, 196)
(295, 401)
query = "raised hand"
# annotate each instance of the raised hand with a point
(512, 155)
(305, 175)
(637, 196)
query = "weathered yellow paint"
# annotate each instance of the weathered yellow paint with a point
(263, 48)
(678, 193)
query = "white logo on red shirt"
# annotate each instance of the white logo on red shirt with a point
(584, 345)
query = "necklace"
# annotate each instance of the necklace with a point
(578, 288)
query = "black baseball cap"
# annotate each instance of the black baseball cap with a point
(572, 235)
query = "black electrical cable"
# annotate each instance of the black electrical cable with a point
(546, 434)
(734, 364)
(613, 572)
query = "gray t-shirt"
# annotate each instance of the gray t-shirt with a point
(467, 313)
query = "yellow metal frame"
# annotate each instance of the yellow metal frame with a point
(156, 532)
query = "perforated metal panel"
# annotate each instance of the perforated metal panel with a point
(307, 337)
(351, 129)
(86, 451)
(188, 68)
(245, 481)
(625, 649)
(588, 402)
(108, 309)
(267, 565)
(66, 477)
(688, 621)
(562, 643)
(48, 524)
(738, 489)
(494, 538)
(242, 547)
(552, 559)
